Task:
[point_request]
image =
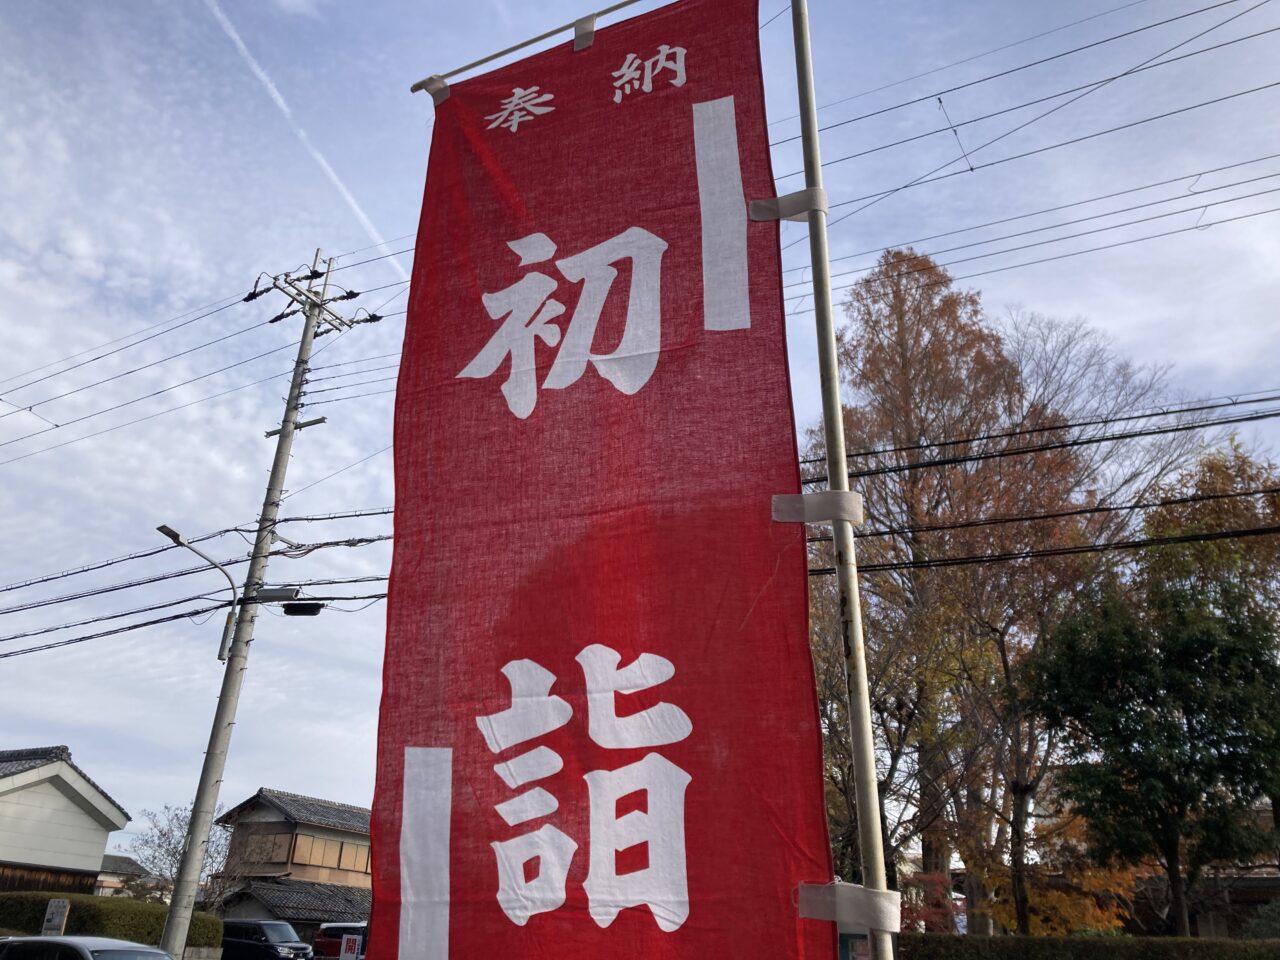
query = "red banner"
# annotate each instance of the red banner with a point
(599, 729)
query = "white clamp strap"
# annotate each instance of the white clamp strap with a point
(792, 206)
(854, 909)
(438, 87)
(584, 32)
(822, 507)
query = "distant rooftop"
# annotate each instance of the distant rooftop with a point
(14, 762)
(124, 866)
(309, 810)
(303, 900)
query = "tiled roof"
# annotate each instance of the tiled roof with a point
(310, 810)
(125, 866)
(304, 900)
(29, 758)
(20, 761)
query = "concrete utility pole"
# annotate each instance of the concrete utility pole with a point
(187, 884)
(870, 842)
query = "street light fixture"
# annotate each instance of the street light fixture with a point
(229, 626)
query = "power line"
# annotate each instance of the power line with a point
(358, 396)
(1056, 226)
(316, 483)
(357, 383)
(128, 346)
(381, 356)
(301, 550)
(1038, 117)
(1061, 256)
(933, 528)
(343, 515)
(110, 616)
(150, 416)
(1036, 63)
(145, 366)
(1076, 203)
(113, 632)
(148, 396)
(969, 59)
(389, 366)
(102, 564)
(1053, 146)
(1054, 515)
(958, 459)
(926, 177)
(1136, 544)
(1195, 406)
(775, 16)
(361, 263)
(373, 245)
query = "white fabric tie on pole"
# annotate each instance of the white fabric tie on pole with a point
(822, 507)
(791, 206)
(584, 32)
(853, 908)
(438, 87)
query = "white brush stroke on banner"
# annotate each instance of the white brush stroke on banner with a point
(726, 304)
(424, 853)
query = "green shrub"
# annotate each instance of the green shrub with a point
(932, 946)
(1265, 923)
(96, 916)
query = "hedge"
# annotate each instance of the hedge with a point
(935, 946)
(117, 917)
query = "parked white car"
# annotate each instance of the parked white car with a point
(77, 948)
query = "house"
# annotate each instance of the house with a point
(300, 859)
(116, 871)
(54, 822)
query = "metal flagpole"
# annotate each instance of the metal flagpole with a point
(870, 842)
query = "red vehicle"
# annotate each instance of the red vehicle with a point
(328, 941)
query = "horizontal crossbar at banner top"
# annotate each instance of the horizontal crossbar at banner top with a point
(422, 84)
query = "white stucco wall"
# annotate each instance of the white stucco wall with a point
(52, 817)
(40, 825)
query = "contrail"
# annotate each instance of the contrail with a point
(274, 92)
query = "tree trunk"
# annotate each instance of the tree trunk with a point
(977, 920)
(1018, 859)
(1177, 891)
(935, 842)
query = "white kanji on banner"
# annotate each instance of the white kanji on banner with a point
(523, 105)
(526, 310)
(636, 74)
(662, 886)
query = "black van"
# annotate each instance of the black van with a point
(261, 940)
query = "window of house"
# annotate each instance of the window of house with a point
(332, 853)
(349, 853)
(302, 849)
(280, 848)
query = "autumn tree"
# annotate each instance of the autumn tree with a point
(1164, 678)
(939, 396)
(1067, 892)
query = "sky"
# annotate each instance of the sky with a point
(156, 157)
